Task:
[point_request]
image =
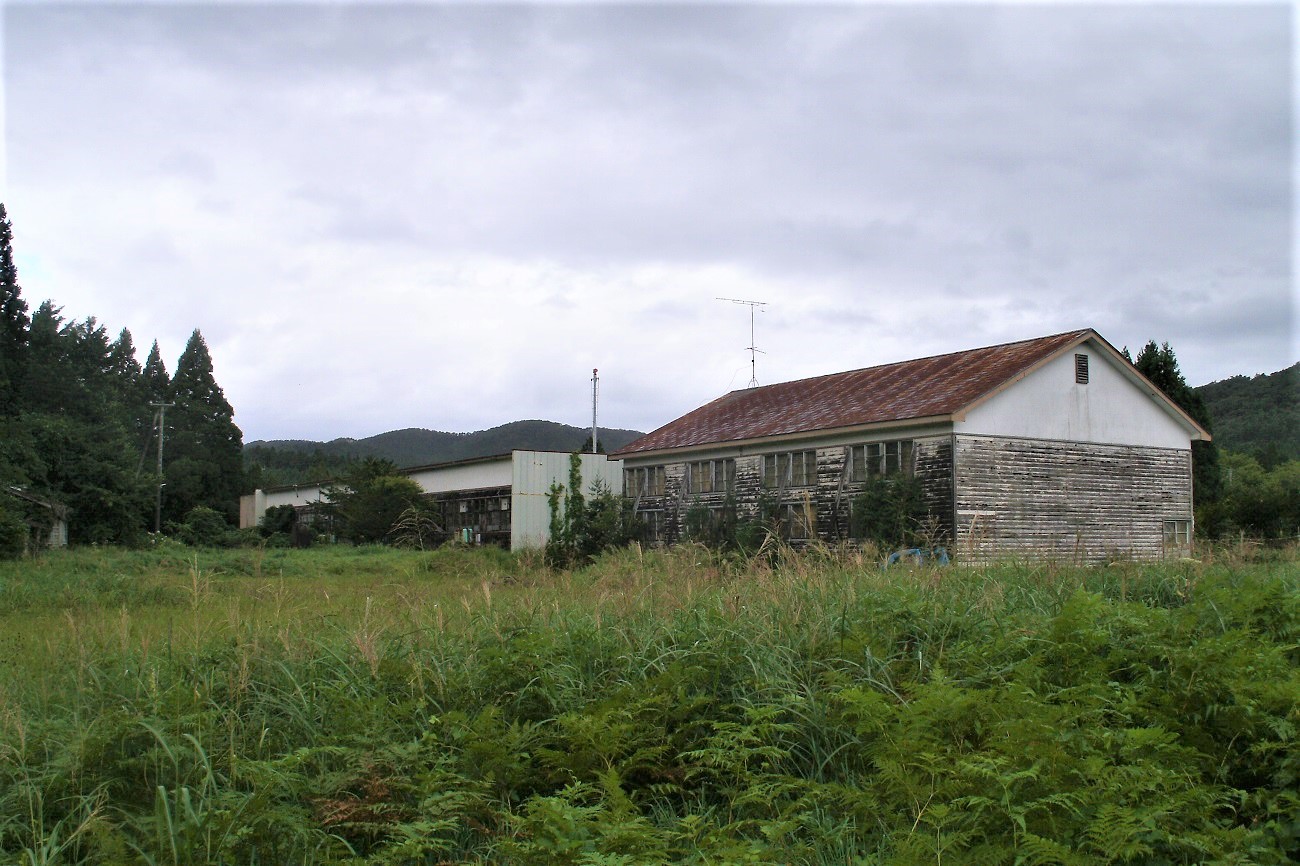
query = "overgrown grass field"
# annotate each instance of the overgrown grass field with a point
(370, 705)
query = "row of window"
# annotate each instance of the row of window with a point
(795, 519)
(780, 471)
(481, 513)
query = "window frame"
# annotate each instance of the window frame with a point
(779, 466)
(796, 514)
(653, 521)
(882, 458)
(1178, 533)
(646, 481)
(711, 476)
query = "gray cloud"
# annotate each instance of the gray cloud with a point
(561, 187)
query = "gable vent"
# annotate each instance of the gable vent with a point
(1081, 369)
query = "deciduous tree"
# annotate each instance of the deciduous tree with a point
(370, 500)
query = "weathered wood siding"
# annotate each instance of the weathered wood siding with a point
(933, 469)
(1068, 500)
(831, 498)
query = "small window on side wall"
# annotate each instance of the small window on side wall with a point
(1178, 534)
(1081, 369)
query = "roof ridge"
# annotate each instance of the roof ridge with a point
(931, 386)
(1008, 344)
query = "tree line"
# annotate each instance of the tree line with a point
(1233, 491)
(79, 426)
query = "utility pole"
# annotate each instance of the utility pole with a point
(595, 386)
(753, 349)
(162, 426)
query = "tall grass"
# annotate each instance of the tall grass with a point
(367, 705)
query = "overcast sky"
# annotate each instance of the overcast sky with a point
(445, 216)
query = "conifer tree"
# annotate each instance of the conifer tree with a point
(203, 459)
(13, 320)
(128, 380)
(1160, 365)
(157, 384)
(64, 434)
(121, 357)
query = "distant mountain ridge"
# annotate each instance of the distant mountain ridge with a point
(1257, 415)
(418, 447)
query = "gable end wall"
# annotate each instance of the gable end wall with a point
(1067, 500)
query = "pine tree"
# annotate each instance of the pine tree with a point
(203, 458)
(64, 431)
(157, 384)
(121, 357)
(1160, 365)
(13, 320)
(81, 450)
(132, 393)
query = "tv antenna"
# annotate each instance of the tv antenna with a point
(752, 347)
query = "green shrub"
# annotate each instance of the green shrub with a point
(13, 534)
(278, 518)
(204, 527)
(889, 511)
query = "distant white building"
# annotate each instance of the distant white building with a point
(489, 500)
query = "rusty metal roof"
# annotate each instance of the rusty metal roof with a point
(924, 388)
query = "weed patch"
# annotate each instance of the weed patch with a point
(368, 705)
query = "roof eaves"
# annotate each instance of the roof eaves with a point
(779, 438)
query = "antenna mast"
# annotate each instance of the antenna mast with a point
(752, 347)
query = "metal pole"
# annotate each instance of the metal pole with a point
(753, 363)
(595, 382)
(753, 349)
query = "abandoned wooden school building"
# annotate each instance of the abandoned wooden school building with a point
(1054, 447)
(1050, 447)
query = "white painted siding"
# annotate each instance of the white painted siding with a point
(1048, 404)
(533, 473)
(468, 476)
(307, 494)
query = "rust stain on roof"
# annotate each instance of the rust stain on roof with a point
(926, 387)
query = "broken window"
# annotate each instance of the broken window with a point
(711, 476)
(880, 458)
(791, 469)
(643, 481)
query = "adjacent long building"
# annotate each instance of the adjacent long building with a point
(1055, 446)
(486, 500)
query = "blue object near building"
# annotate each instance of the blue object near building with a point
(919, 556)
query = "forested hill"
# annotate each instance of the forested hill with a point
(1259, 415)
(285, 461)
